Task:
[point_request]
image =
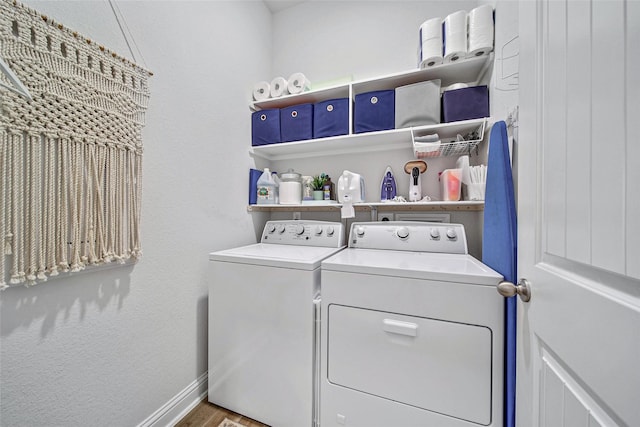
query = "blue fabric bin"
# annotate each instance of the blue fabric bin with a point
(375, 111)
(296, 122)
(265, 127)
(331, 118)
(254, 175)
(465, 104)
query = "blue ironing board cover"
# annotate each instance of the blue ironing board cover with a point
(499, 246)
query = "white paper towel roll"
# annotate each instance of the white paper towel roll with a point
(278, 87)
(480, 31)
(455, 36)
(261, 91)
(298, 83)
(431, 43)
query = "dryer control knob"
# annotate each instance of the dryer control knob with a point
(435, 233)
(330, 230)
(360, 231)
(271, 228)
(281, 228)
(318, 230)
(299, 229)
(402, 232)
(451, 233)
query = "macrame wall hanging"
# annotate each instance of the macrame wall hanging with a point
(71, 157)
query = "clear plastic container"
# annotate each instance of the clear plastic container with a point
(450, 183)
(307, 188)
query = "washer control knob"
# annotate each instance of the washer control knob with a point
(435, 233)
(318, 230)
(271, 228)
(281, 228)
(299, 229)
(330, 230)
(360, 231)
(451, 233)
(402, 232)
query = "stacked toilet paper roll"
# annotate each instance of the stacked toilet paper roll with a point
(480, 31)
(298, 83)
(431, 43)
(261, 91)
(278, 87)
(455, 36)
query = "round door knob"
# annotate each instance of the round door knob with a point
(403, 232)
(435, 233)
(281, 228)
(508, 289)
(318, 230)
(299, 229)
(330, 230)
(360, 231)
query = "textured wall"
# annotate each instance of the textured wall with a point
(111, 347)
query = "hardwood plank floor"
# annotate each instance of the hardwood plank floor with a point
(207, 414)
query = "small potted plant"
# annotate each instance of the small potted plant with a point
(318, 186)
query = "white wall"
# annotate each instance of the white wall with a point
(111, 347)
(333, 39)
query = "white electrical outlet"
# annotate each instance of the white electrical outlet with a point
(385, 216)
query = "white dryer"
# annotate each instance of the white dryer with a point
(412, 330)
(263, 322)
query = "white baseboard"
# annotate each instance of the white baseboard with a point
(179, 406)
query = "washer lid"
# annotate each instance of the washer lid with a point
(458, 268)
(289, 256)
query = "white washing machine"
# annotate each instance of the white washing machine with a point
(264, 322)
(412, 330)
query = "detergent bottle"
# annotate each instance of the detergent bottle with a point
(267, 188)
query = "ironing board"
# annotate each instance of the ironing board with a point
(499, 246)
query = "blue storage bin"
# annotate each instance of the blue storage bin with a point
(265, 127)
(331, 118)
(465, 104)
(375, 111)
(296, 122)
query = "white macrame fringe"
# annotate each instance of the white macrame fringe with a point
(70, 190)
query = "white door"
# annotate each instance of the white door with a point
(579, 213)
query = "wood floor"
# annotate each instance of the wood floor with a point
(209, 415)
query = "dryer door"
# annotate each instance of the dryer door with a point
(435, 365)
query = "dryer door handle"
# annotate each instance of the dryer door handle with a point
(400, 327)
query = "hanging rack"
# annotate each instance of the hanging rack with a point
(17, 87)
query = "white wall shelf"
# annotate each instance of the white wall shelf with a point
(470, 70)
(369, 142)
(368, 206)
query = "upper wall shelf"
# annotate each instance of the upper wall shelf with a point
(470, 70)
(368, 142)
